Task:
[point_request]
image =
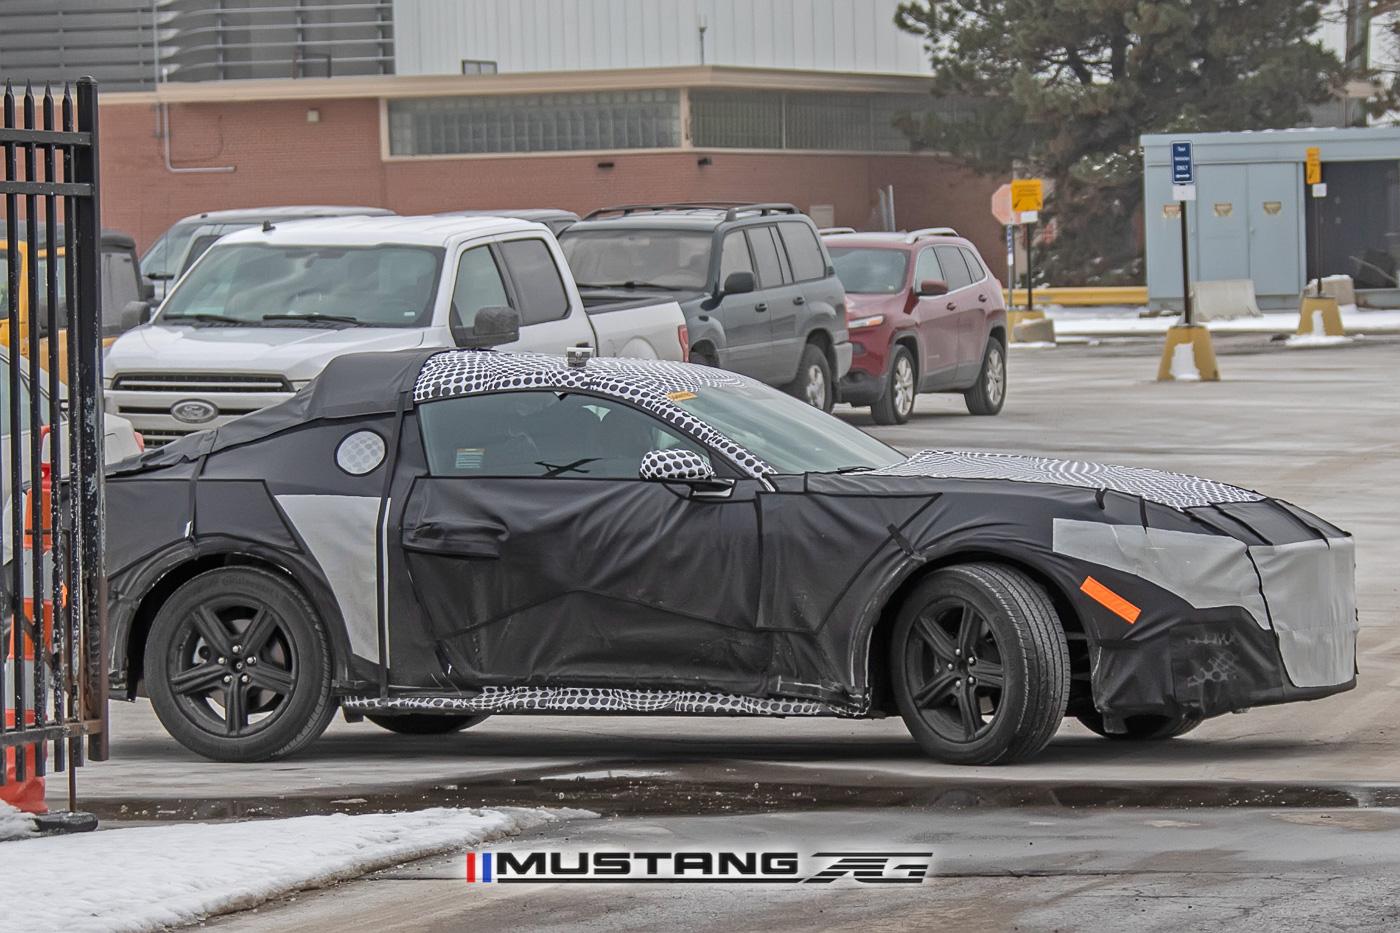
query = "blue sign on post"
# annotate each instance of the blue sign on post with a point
(1183, 166)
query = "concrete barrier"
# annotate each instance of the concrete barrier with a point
(1339, 288)
(1224, 299)
(1036, 331)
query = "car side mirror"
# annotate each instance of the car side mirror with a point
(494, 327)
(676, 466)
(135, 313)
(931, 288)
(160, 276)
(738, 283)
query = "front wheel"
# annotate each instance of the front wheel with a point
(979, 665)
(424, 723)
(895, 406)
(813, 384)
(238, 666)
(1143, 728)
(988, 393)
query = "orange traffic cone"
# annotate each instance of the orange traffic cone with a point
(28, 795)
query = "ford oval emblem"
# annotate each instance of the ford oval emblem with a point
(193, 411)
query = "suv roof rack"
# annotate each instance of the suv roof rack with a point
(731, 209)
(832, 231)
(914, 235)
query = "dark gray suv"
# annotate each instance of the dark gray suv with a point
(757, 287)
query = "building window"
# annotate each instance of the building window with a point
(478, 66)
(534, 123)
(781, 120)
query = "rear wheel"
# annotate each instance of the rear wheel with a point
(988, 393)
(813, 384)
(238, 666)
(1142, 728)
(895, 406)
(424, 723)
(979, 665)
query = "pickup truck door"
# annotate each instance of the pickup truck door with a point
(524, 274)
(748, 327)
(541, 558)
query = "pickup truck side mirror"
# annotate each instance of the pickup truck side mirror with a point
(931, 288)
(493, 327)
(134, 314)
(738, 283)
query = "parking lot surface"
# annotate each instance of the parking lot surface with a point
(1320, 427)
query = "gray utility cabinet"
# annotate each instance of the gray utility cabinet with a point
(1251, 219)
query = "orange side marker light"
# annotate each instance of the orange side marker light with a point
(1110, 600)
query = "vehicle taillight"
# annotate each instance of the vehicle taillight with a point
(140, 441)
(683, 335)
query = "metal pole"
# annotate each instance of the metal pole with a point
(1317, 242)
(1185, 266)
(1010, 264)
(1030, 267)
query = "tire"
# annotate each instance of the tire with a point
(262, 634)
(701, 357)
(424, 723)
(813, 383)
(1143, 728)
(901, 388)
(988, 393)
(1019, 674)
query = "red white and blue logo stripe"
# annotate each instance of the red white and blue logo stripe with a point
(480, 869)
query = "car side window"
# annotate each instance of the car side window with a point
(955, 270)
(479, 285)
(542, 434)
(974, 264)
(926, 267)
(734, 256)
(535, 275)
(765, 254)
(803, 250)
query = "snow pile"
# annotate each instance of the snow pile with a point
(14, 824)
(1315, 340)
(148, 877)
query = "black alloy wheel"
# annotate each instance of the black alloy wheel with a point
(238, 666)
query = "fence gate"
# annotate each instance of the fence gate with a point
(53, 687)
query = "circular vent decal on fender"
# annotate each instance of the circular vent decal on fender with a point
(360, 452)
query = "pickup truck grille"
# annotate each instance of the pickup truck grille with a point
(195, 383)
(155, 439)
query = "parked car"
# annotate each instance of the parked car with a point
(263, 310)
(925, 315)
(429, 537)
(188, 238)
(554, 218)
(126, 298)
(758, 291)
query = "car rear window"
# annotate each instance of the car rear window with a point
(975, 264)
(765, 254)
(803, 251)
(954, 268)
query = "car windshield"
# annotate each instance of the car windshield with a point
(671, 259)
(868, 270)
(165, 254)
(255, 283)
(790, 435)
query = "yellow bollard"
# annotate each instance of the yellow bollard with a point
(1324, 311)
(1188, 355)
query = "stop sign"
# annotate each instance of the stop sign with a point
(1001, 206)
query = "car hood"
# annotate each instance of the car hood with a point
(299, 353)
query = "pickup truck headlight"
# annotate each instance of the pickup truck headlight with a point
(858, 323)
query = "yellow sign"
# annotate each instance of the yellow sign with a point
(1027, 194)
(1313, 162)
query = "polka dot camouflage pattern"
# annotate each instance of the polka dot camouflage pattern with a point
(675, 464)
(644, 383)
(598, 700)
(1174, 489)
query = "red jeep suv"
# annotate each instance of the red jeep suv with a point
(925, 315)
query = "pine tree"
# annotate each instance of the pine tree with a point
(1065, 88)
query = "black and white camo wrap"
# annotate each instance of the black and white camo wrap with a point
(675, 464)
(643, 383)
(1177, 490)
(595, 700)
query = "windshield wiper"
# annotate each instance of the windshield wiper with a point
(317, 318)
(852, 469)
(630, 285)
(208, 318)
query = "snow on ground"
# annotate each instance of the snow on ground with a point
(149, 877)
(13, 823)
(1125, 322)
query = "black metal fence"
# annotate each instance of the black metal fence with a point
(53, 687)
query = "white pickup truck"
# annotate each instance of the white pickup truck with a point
(263, 311)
